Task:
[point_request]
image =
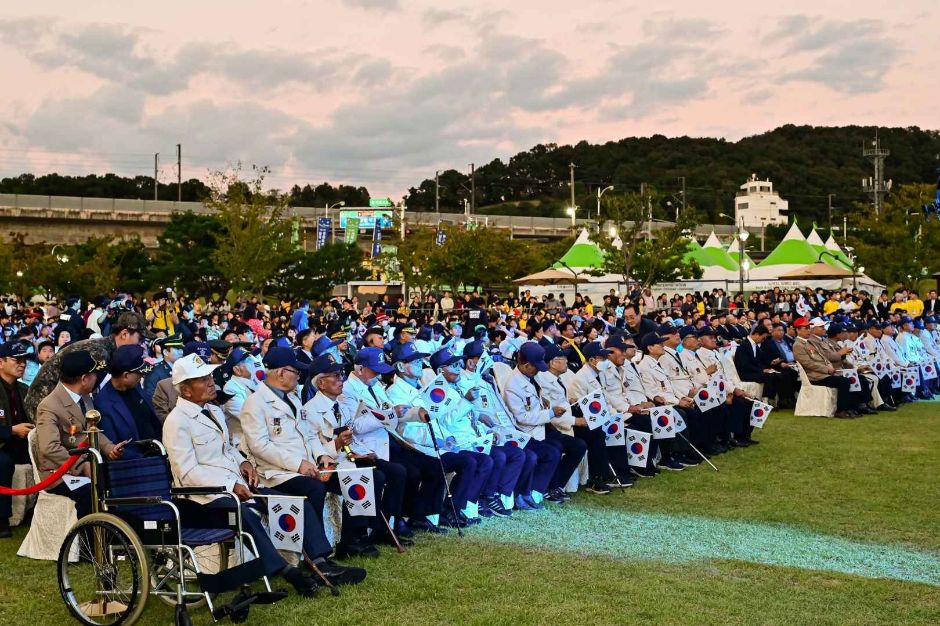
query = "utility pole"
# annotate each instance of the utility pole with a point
(876, 185)
(179, 173)
(830, 211)
(649, 208)
(682, 178)
(571, 184)
(437, 192)
(473, 189)
(156, 166)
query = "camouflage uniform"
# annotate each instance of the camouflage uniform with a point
(100, 350)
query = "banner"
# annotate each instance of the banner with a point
(760, 411)
(638, 447)
(358, 492)
(351, 234)
(614, 431)
(376, 240)
(663, 419)
(323, 230)
(594, 408)
(852, 375)
(286, 523)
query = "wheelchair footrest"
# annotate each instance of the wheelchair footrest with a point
(232, 578)
(269, 597)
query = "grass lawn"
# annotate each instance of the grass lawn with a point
(825, 522)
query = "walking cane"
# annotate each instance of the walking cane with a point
(450, 496)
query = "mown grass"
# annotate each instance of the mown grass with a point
(872, 479)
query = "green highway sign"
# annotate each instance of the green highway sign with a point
(380, 202)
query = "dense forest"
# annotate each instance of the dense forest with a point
(805, 163)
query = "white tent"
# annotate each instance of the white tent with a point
(792, 254)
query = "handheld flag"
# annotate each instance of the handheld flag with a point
(909, 379)
(386, 417)
(929, 370)
(760, 411)
(896, 378)
(638, 448)
(663, 419)
(485, 363)
(719, 385)
(482, 444)
(436, 396)
(594, 408)
(614, 431)
(880, 367)
(852, 375)
(286, 522)
(511, 437)
(707, 398)
(358, 492)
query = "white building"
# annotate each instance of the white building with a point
(757, 204)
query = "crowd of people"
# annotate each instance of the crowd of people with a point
(272, 398)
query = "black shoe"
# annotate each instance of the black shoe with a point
(403, 530)
(523, 504)
(688, 460)
(557, 495)
(886, 407)
(496, 507)
(363, 548)
(672, 465)
(303, 584)
(5, 532)
(448, 520)
(424, 525)
(864, 410)
(535, 506)
(621, 482)
(341, 574)
(720, 448)
(644, 472)
(469, 521)
(598, 486)
(385, 539)
(483, 508)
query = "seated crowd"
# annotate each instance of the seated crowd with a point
(271, 401)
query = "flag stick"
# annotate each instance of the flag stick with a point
(450, 497)
(398, 546)
(616, 477)
(318, 572)
(704, 458)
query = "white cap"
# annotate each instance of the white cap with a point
(816, 322)
(190, 366)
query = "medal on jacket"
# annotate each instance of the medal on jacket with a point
(72, 430)
(277, 426)
(528, 403)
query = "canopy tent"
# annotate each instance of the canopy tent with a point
(834, 248)
(817, 271)
(714, 260)
(823, 253)
(734, 252)
(582, 255)
(792, 254)
(552, 276)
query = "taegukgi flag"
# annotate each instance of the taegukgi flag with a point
(910, 376)
(594, 408)
(707, 398)
(286, 522)
(852, 375)
(437, 396)
(638, 448)
(614, 431)
(358, 492)
(760, 411)
(663, 420)
(928, 370)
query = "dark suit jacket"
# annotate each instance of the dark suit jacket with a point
(748, 365)
(118, 422)
(932, 306)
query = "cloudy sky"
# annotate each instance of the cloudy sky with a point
(385, 92)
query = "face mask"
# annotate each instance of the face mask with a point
(456, 331)
(455, 368)
(372, 381)
(679, 348)
(603, 366)
(177, 353)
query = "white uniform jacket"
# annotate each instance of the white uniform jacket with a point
(525, 405)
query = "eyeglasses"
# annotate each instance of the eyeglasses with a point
(629, 346)
(292, 371)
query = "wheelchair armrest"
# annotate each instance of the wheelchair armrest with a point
(143, 500)
(197, 491)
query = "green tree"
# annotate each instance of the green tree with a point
(185, 258)
(315, 274)
(257, 235)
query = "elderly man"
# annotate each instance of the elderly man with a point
(127, 329)
(60, 426)
(14, 427)
(823, 339)
(197, 443)
(288, 452)
(126, 414)
(171, 348)
(819, 370)
(741, 404)
(242, 383)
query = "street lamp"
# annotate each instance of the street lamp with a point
(575, 278)
(612, 231)
(329, 207)
(742, 254)
(852, 261)
(572, 211)
(601, 192)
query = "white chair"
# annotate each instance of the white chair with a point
(22, 478)
(53, 517)
(814, 400)
(501, 372)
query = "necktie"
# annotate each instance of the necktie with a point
(81, 405)
(208, 414)
(562, 386)
(293, 409)
(336, 413)
(374, 397)
(538, 388)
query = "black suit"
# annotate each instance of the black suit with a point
(931, 307)
(750, 369)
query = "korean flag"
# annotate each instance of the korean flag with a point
(880, 367)
(482, 444)
(760, 411)
(909, 379)
(511, 437)
(594, 408)
(718, 385)
(614, 431)
(638, 448)
(386, 418)
(852, 375)
(358, 492)
(436, 396)
(897, 378)
(707, 399)
(663, 419)
(929, 370)
(286, 523)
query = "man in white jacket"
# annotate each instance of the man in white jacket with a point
(288, 452)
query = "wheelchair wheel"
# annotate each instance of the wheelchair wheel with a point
(212, 559)
(103, 572)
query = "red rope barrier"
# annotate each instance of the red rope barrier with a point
(50, 479)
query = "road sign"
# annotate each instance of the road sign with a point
(380, 202)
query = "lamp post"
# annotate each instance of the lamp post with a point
(572, 211)
(742, 238)
(856, 269)
(568, 267)
(601, 192)
(330, 207)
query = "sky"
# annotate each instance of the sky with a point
(384, 92)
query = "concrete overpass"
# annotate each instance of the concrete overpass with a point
(72, 220)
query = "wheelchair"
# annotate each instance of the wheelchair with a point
(145, 538)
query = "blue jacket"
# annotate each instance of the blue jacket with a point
(299, 319)
(117, 421)
(160, 371)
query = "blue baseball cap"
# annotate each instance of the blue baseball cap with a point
(374, 359)
(444, 357)
(128, 358)
(200, 348)
(533, 353)
(13, 350)
(279, 357)
(325, 364)
(650, 339)
(553, 352)
(323, 344)
(706, 331)
(617, 342)
(406, 353)
(237, 356)
(473, 349)
(593, 349)
(667, 329)
(685, 331)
